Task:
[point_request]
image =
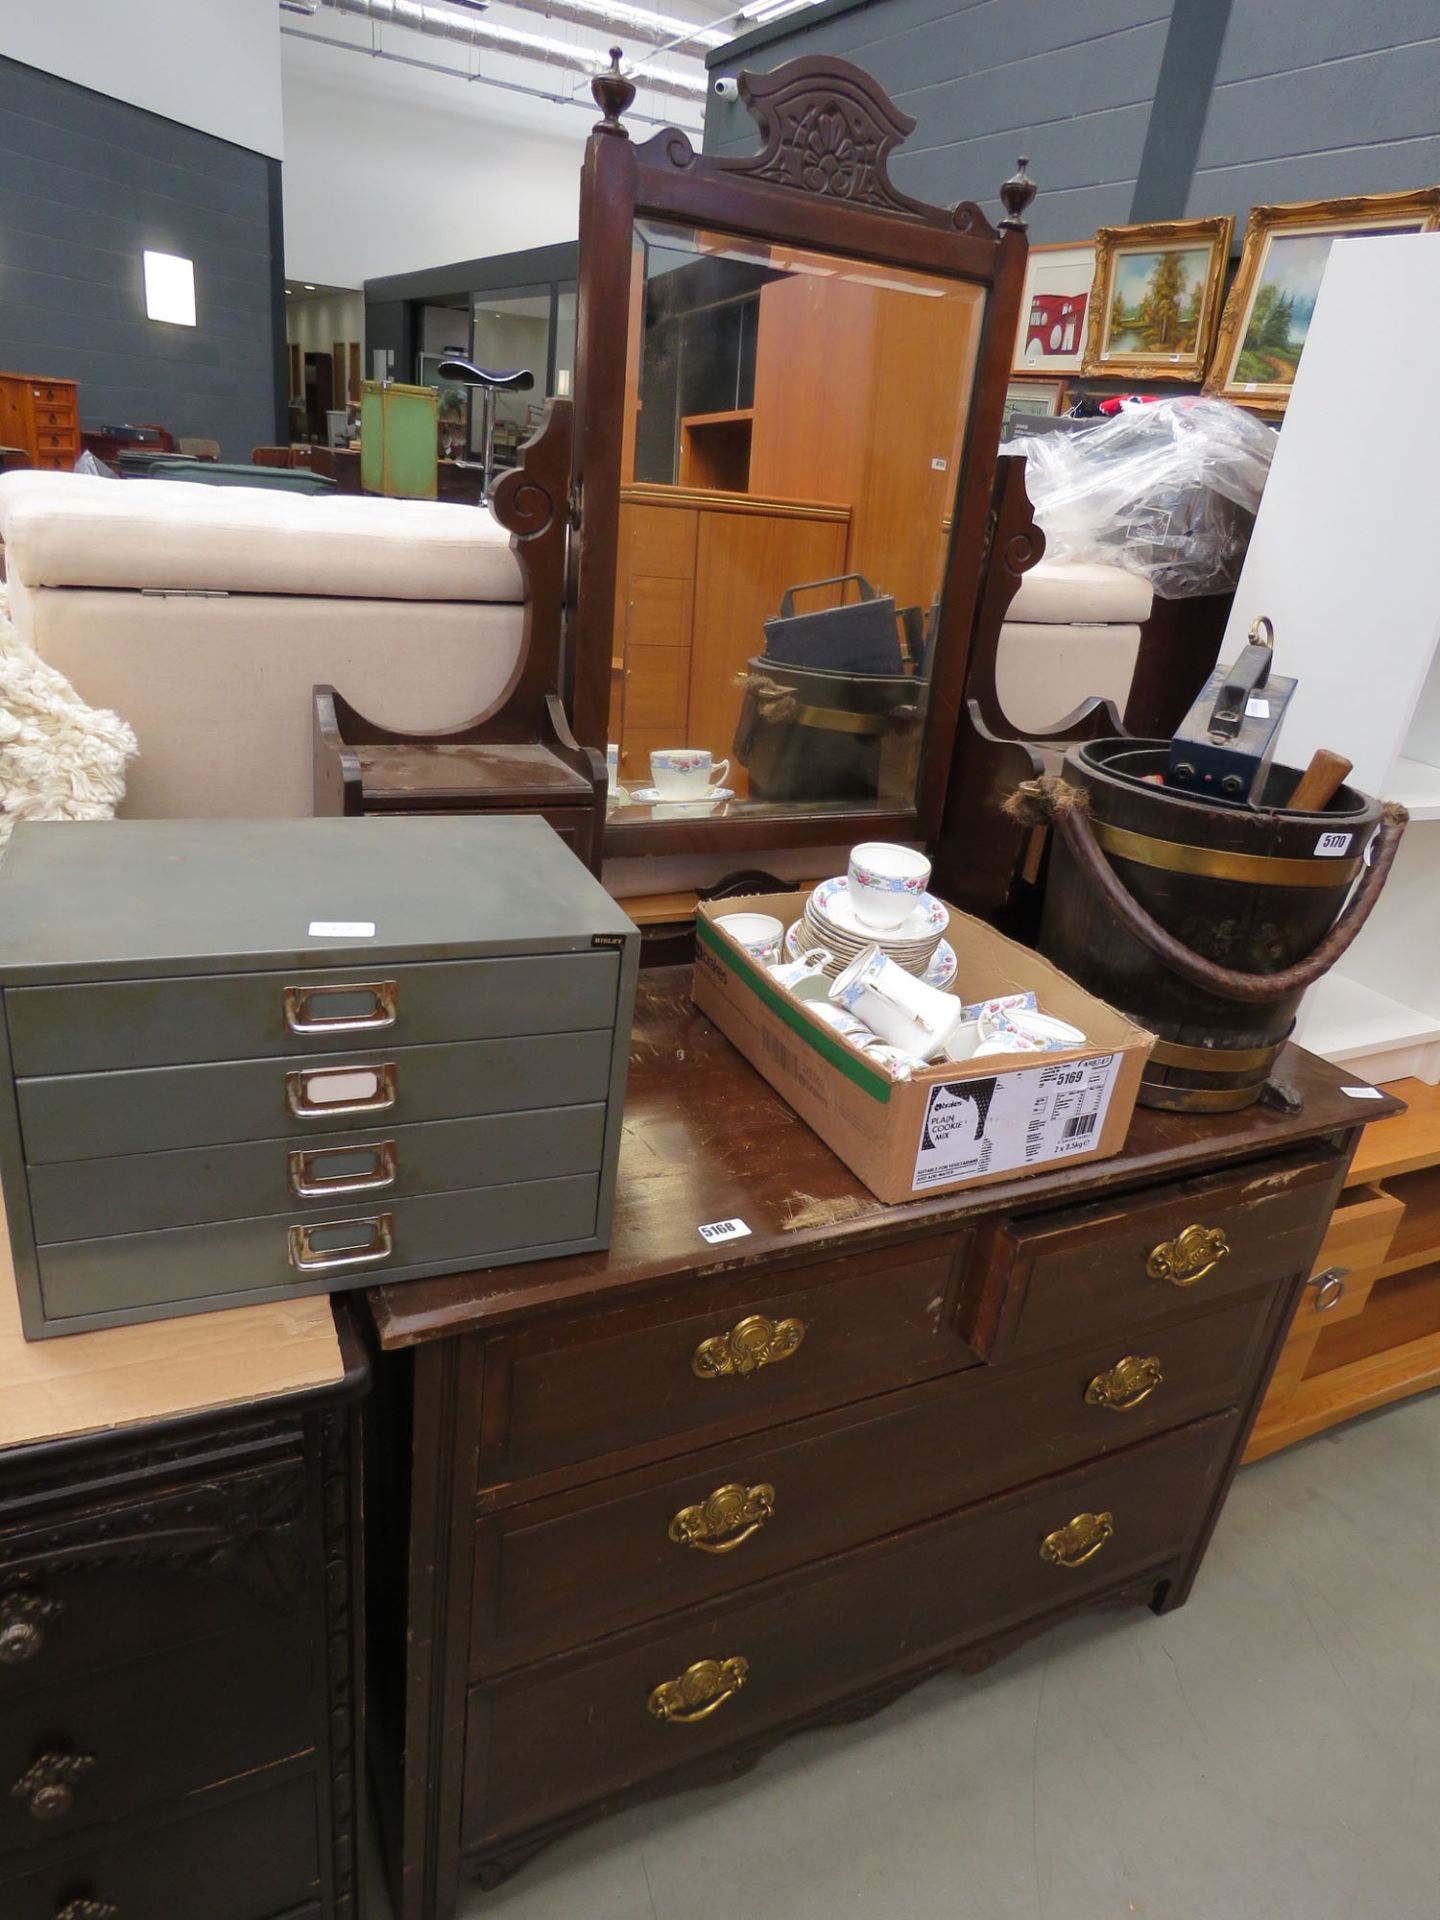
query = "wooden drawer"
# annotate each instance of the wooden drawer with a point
(727, 1357)
(548, 1740)
(1164, 1250)
(89, 1589)
(659, 613)
(234, 1260)
(657, 688)
(152, 1730)
(86, 1199)
(660, 541)
(56, 416)
(92, 1116)
(249, 1859)
(52, 392)
(114, 1024)
(558, 1572)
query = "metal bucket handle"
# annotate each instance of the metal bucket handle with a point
(1067, 808)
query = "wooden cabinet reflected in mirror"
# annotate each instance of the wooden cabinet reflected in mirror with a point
(794, 422)
(790, 380)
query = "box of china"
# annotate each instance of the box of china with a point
(951, 1125)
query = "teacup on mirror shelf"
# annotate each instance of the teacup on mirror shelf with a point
(902, 1010)
(758, 933)
(686, 773)
(886, 883)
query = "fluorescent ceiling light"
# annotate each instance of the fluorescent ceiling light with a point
(761, 12)
(309, 286)
(169, 288)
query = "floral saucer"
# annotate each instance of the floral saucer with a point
(831, 901)
(939, 973)
(652, 796)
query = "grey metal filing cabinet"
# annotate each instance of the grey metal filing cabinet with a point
(252, 1058)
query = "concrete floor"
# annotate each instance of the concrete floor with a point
(1269, 1752)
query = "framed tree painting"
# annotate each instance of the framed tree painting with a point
(1053, 310)
(1267, 315)
(1155, 303)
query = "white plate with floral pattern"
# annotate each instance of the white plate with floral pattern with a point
(831, 901)
(939, 973)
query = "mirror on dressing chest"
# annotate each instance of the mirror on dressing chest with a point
(788, 402)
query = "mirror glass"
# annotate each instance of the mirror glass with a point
(510, 330)
(793, 429)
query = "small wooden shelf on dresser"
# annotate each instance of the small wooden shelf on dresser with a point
(1377, 1339)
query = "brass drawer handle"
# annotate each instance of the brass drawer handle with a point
(753, 1342)
(88, 1910)
(48, 1787)
(1080, 1540)
(299, 1019)
(700, 1691)
(1329, 1287)
(1189, 1257)
(303, 1104)
(1126, 1384)
(725, 1521)
(306, 1258)
(308, 1184)
(23, 1614)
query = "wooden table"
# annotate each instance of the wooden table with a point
(669, 1504)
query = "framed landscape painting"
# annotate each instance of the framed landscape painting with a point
(1267, 315)
(1155, 302)
(1053, 310)
(1029, 397)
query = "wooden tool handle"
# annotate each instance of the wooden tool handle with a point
(1320, 782)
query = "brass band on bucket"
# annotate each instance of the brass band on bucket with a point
(1214, 863)
(1197, 1099)
(1170, 1053)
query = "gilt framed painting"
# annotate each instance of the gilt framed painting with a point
(1053, 310)
(1266, 318)
(1155, 302)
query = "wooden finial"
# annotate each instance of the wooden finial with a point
(612, 93)
(1017, 193)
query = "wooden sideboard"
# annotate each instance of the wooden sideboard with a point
(669, 1504)
(180, 1618)
(43, 417)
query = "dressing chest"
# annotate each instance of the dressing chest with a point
(250, 1059)
(669, 1504)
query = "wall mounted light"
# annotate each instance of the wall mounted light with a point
(169, 288)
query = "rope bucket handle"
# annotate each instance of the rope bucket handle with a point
(1054, 802)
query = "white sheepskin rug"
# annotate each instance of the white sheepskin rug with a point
(59, 759)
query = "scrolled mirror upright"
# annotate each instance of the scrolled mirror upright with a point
(789, 389)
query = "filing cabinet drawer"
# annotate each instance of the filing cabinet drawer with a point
(565, 1570)
(88, 1199)
(729, 1357)
(92, 1588)
(339, 1247)
(101, 1746)
(1162, 1251)
(250, 1859)
(114, 1024)
(92, 1116)
(549, 1739)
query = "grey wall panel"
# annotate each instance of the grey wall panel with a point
(1321, 100)
(987, 81)
(86, 184)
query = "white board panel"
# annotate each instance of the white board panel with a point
(1345, 557)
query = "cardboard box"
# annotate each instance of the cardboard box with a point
(952, 1125)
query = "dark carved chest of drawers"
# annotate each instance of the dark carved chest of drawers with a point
(180, 1614)
(668, 1505)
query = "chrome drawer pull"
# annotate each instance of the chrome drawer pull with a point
(306, 1258)
(301, 1100)
(23, 1614)
(299, 1019)
(724, 1521)
(309, 1184)
(700, 1691)
(1329, 1287)
(48, 1787)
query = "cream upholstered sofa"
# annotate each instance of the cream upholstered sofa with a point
(204, 616)
(1073, 630)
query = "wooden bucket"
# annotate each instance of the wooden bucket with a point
(1205, 922)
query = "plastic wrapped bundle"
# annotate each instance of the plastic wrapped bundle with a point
(1168, 490)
